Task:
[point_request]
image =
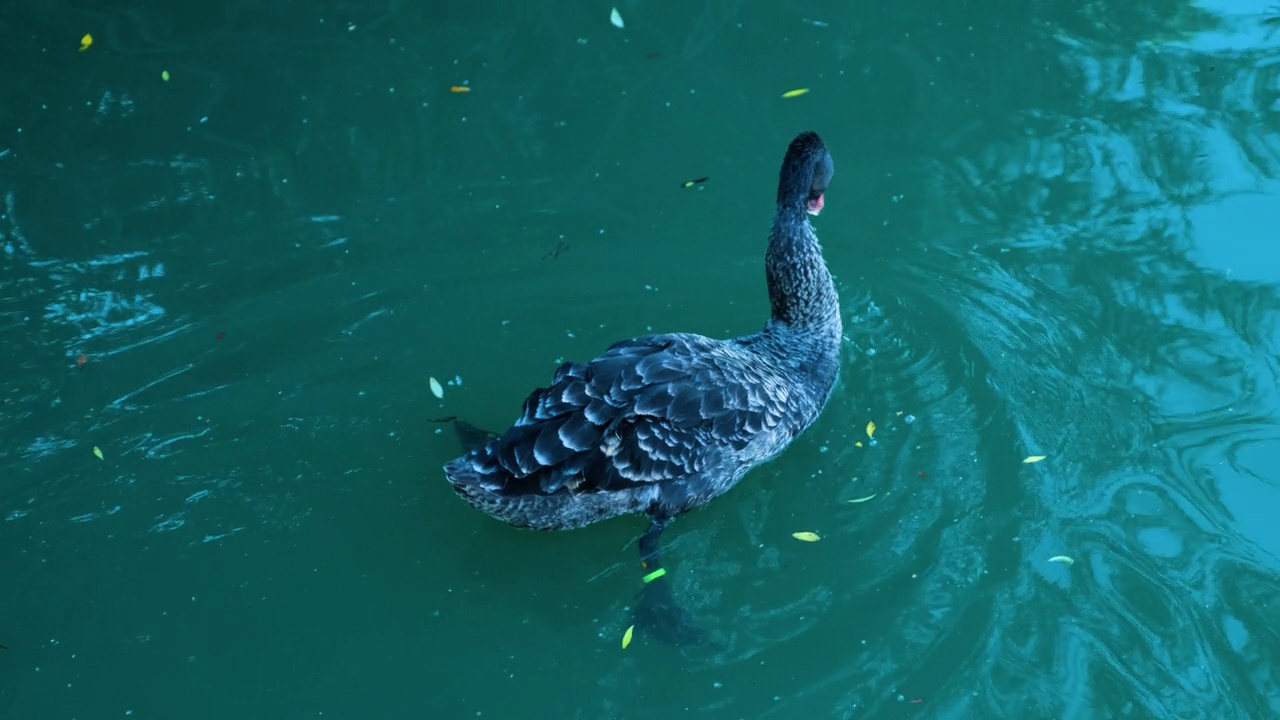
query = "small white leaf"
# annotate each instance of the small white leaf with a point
(615, 17)
(436, 388)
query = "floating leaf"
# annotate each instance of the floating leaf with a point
(858, 444)
(1033, 459)
(459, 89)
(164, 75)
(626, 637)
(615, 17)
(1062, 559)
(806, 536)
(795, 93)
(85, 42)
(436, 388)
(863, 499)
(871, 428)
(98, 452)
(696, 181)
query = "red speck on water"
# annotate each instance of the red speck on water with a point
(80, 361)
(221, 334)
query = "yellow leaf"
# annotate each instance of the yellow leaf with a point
(806, 536)
(858, 444)
(626, 637)
(863, 499)
(85, 42)
(459, 89)
(871, 428)
(98, 452)
(1062, 559)
(1033, 459)
(164, 75)
(795, 93)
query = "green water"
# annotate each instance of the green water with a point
(1054, 230)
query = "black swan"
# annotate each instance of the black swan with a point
(661, 424)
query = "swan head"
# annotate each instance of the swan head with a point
(806, 173)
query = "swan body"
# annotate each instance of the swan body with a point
(661, 424)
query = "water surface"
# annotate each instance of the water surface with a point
(1052, 226)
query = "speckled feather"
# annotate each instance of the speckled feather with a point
(663, 423)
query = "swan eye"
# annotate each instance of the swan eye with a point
(822, 176)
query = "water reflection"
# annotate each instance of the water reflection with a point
(1089, 329)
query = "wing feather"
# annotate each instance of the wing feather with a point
(648, 410)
